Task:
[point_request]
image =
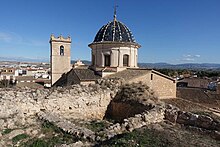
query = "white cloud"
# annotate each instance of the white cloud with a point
(5, 37)
(13, 38)
(190, 57)
(10, 37)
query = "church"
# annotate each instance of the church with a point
(114, 54)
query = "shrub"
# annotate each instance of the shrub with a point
(19, 137)
(7, 131)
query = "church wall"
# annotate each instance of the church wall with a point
(163, 87)
(114, 58)
(116, 51)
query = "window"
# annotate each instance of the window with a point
(107, 60)
(61, 50)
(93, 59)
(151, 77)
(125, 60)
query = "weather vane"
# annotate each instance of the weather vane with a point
(115, 10)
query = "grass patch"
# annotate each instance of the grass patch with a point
(48, 127)
(36, 142)
(143, 138)
(53, 136)
(19, 137)
(7, 131)
(97, 125)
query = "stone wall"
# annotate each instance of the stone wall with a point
(19, 106)
(154, 115)
(130, 100)
(120, 111)
(218, 88)
(205, 122)
(163, 87)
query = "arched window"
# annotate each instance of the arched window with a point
(107, 60)
(93, 59)
(61, 50)
(125, 60)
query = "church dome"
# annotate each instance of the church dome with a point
(114, 31)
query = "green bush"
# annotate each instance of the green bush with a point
(35, 143)
(7, 131)
(97, 126)
(19, 137)
(38, 143)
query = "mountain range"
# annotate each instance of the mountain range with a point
(213, 66)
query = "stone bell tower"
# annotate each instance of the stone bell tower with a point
(59, 57)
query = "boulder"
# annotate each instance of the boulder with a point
(204, 122)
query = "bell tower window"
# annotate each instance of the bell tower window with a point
(61, 50)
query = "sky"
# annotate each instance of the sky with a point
(170, 31)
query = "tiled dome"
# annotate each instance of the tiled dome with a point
(114, 31)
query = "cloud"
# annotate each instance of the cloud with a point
(190, 57)
(10, 37)
(16, 39)
(5, 37)
(36, 43)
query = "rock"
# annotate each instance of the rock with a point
(41, 136)
(184, 118)
(204, 121)
(2, 124)
(217, 126)
(216, 135)
(34, 132)
(171, 113)
(14, 133)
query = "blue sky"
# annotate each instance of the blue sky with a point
(171, 31)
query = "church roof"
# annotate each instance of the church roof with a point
(86, 74)
(114, 31)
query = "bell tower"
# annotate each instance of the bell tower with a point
(59, 57)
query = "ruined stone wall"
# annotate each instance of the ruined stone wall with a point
(20, 106)
(119, 111)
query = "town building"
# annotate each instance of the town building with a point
(8, 74)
